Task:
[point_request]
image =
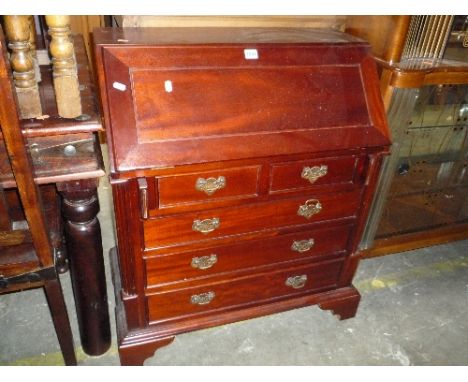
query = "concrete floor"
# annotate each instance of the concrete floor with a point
(414, 311)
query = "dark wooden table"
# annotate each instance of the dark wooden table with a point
(66, 153)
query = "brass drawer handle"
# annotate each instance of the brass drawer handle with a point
(203, 298)
(309, 208)
(296, 282)
(205, 226)
(313, 173)
(204, 262)
(210, 185)
(302, 245)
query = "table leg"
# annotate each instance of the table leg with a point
(80, 206)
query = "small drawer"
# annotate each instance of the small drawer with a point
(246, 254)
(208, 186)
(250, 290)
(216, 223)
(313, 173)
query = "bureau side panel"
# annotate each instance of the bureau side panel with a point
(130, 244)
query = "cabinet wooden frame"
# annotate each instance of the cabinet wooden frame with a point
(143, 74)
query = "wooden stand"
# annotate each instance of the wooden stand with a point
(66, 155)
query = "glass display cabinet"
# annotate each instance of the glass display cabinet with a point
(423, 198)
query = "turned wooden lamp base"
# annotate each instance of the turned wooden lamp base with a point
(135, 346)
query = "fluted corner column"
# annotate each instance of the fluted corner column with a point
(17, 30)
(65, 75)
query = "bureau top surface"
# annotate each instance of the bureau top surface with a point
(212, 35)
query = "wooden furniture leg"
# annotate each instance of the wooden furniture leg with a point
(344, 305)
(58, 309)
(136, 355)
(84, 246)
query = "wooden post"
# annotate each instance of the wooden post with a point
(17, 31)
(5, 224)
(82, 230)
(21, 165)
(32, 47)
(65, 75)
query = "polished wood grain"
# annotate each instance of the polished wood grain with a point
(182, 189)
(273, 178)
(178, 230)
(256, 130)
(144, 342)
(129, 232)
(386, 34)
(416, 73)
(162, 269)
(80, 206)
(254, 99)
(251, 290)
(339, 170)
(188, 259)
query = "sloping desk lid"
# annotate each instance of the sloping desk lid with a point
(176, 96)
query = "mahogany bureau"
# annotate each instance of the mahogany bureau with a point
(243, 163)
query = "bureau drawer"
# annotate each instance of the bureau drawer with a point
(202, 263)
(313, 173)
(215, 223)
(208, 186)
(249, 290)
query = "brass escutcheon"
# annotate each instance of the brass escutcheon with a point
(302, 245)
(203, 298)
(204, 262)
(296, 282)
(210, 185)
(309, 208)
(205, 226)
(313, 173)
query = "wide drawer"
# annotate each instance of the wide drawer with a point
(227, 183)
(253, 253)
(249, 290)
(210, 224)
(313, 173)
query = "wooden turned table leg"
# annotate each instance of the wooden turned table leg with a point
(80, 206)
